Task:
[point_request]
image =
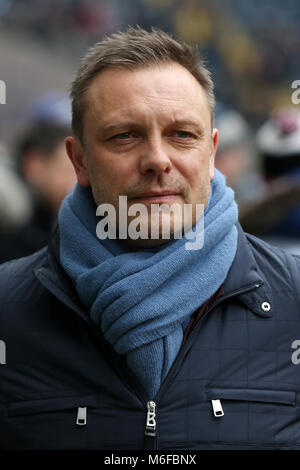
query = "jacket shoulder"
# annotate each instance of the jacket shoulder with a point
(281, 268)
(17, 275)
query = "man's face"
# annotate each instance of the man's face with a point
(147, 132)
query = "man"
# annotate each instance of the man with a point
(49, 176)
(133, 342)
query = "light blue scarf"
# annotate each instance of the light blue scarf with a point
(143, 300)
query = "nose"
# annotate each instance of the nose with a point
(154, 159)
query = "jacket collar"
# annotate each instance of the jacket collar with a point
(244, 279)
(55, 279)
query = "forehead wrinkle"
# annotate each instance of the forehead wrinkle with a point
(138, 101)
(163, 119)
(128, 105)
(141, 92)
(141, 107)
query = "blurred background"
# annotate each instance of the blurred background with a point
(252, 49)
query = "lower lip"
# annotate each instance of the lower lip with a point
(157, 199)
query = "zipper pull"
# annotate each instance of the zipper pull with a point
(217, 408)
(81, 416)
(151, 423)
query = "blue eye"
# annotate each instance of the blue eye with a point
(183, 134)
(123, 135)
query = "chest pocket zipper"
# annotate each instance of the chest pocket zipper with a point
(32, 407)
(215, 395)
(217, 408)
(81, 416)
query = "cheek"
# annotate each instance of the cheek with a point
(108, 179)
(195, 171)
(197, 175)
(106, 166)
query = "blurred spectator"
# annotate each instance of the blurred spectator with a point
(15, 201)
(236, 156)
(49, 175)
(53, 106)
(276, 217)
(278, 142)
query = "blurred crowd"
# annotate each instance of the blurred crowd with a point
(252, 50)
(251, 46)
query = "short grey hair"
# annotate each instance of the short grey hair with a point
(132, 49)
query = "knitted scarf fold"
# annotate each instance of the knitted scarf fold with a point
(143, 300)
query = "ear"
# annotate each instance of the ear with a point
(214, 145)
(77, 156)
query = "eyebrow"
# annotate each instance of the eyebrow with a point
(106, 129)
(111, 128)
(187, 122)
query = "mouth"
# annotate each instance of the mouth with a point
(157, 197)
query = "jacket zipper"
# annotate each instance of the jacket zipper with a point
(150, 431)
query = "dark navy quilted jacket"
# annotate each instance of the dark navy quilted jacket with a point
(234, 385)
